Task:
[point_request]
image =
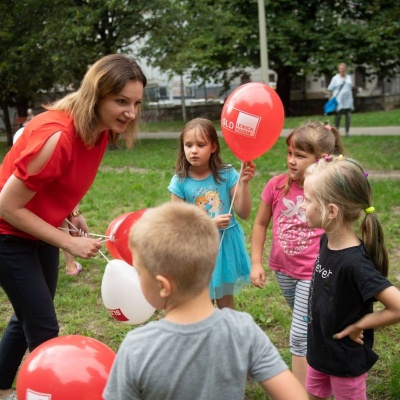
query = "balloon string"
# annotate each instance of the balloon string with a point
(72, 225)
(104, 256)
(75, 229)
(90, 234)
(233, 199)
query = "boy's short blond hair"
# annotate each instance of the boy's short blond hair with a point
(178, 241)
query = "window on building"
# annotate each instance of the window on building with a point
(163, 92)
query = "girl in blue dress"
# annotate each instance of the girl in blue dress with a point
(203, 179)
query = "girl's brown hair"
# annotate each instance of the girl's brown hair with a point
(316, 138)
(206, 129)
(107, 76)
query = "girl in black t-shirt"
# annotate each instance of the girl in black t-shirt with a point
(349, 276)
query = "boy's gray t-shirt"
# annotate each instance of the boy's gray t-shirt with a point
(205, 360)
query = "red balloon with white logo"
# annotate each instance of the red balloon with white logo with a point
(252, 120)
(65, 368)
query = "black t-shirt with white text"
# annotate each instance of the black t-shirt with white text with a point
(342, 291)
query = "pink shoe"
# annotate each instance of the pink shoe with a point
(77, 271)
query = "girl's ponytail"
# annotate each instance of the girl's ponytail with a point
(373, 238)
(338, 141)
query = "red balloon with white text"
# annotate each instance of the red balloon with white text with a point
(65, 368)
(252, 120)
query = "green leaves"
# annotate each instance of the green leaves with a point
(49, 43)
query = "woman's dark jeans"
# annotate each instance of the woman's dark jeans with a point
(28, 275)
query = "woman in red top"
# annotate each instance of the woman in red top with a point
(42, 179)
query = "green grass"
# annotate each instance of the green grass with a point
(377, 118)
(137, 179)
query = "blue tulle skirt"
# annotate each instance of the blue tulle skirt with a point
(233, 265)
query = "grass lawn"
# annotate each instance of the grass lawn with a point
(137, 179)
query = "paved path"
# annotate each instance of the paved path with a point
(374, 131)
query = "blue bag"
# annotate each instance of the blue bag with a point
(330, 106)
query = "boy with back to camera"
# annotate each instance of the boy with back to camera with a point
(197, 351)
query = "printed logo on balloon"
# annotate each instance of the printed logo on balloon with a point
(252, 120)
(122, 294)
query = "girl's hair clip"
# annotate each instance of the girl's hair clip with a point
(326, 157)
(366, 174)
(369, 210)
(340, 157)
(327, 126)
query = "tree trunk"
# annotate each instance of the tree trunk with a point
(22, 107)
(183, 100)
(283, 88)
(7, 123)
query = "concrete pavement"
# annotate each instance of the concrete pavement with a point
(356, 131)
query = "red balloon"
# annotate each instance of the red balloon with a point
(115, 223)
(65, 368)
(122, 235)
(252, 120)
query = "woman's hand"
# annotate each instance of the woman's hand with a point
(80, 224)
(83, 247)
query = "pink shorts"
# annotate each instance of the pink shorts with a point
(342, 387)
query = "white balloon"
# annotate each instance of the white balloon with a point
(18, 134)
(122, 294)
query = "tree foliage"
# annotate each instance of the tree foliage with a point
(24, 66)
(207, 40)
(47, 45)
(84, 30)
(219, 39)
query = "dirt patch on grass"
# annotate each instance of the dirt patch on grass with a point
(384, 174)
(133, 170)
(373, 174)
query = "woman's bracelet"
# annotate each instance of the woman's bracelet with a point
(75, 213)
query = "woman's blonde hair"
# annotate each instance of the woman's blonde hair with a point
(316, 138)
(343, 182)
(179, 241)
(107, 76)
